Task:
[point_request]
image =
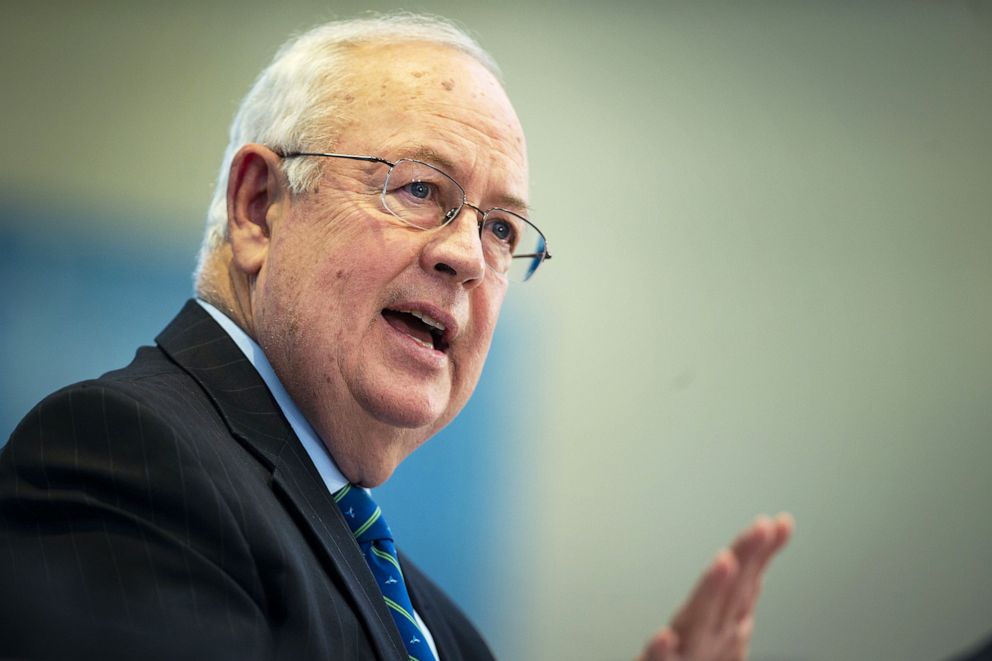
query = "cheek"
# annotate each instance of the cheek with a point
(329, 299)
(491, 303)
(485, 314)
(345, 296)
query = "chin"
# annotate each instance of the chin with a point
(376, 475)
(405, 410)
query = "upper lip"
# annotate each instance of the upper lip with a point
(434, 316)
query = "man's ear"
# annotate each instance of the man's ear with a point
(255, 196)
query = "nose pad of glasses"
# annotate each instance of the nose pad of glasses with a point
(452, 213)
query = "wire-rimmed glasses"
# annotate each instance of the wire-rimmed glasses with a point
(422, 196)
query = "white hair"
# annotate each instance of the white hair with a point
(293, 104)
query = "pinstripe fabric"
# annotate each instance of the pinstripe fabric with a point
(166, 511)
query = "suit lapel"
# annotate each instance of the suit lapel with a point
(198, 345)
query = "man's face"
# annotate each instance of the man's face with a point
(333, 299)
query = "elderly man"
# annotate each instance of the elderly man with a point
(210, 500)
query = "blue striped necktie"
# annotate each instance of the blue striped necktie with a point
(376, 541)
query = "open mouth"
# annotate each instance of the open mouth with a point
(426, 330)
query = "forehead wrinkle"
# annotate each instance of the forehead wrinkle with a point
(431, 156)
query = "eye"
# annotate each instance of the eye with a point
(503, 230)
(420, 189)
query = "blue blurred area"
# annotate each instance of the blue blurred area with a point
(79, 303)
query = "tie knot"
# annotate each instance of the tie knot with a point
(362, 514)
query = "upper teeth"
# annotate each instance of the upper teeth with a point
(427, 319)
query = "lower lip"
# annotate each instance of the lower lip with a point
(427, 356)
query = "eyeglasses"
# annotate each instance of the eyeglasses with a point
(424, 197)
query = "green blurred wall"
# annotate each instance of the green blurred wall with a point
(770, 287)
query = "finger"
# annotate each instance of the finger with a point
(761, 549)
(743, 640)
(754, 541)
(709, 589)
(752, 549)
(699, 616)
(785, 524)
(745, 629)
(782, 526)
(663, 646)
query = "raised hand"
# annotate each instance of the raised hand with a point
(716, 621)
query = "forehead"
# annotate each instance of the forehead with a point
(418, 68)
(434, 103)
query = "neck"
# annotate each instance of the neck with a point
(365, 449)
(227, 289)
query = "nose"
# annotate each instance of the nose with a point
(455, 250)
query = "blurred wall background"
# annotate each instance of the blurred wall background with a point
(770, 291)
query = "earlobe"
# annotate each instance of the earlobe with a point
(254, 191)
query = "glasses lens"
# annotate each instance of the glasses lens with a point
(511, 244)
(421, 195)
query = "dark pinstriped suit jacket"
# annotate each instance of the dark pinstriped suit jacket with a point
(167, 511)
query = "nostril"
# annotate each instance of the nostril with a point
(444, 268)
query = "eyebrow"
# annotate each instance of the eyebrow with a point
(430, 156)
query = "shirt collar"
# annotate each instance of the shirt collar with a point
(329, 472)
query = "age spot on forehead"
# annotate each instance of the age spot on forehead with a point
(448, 84)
